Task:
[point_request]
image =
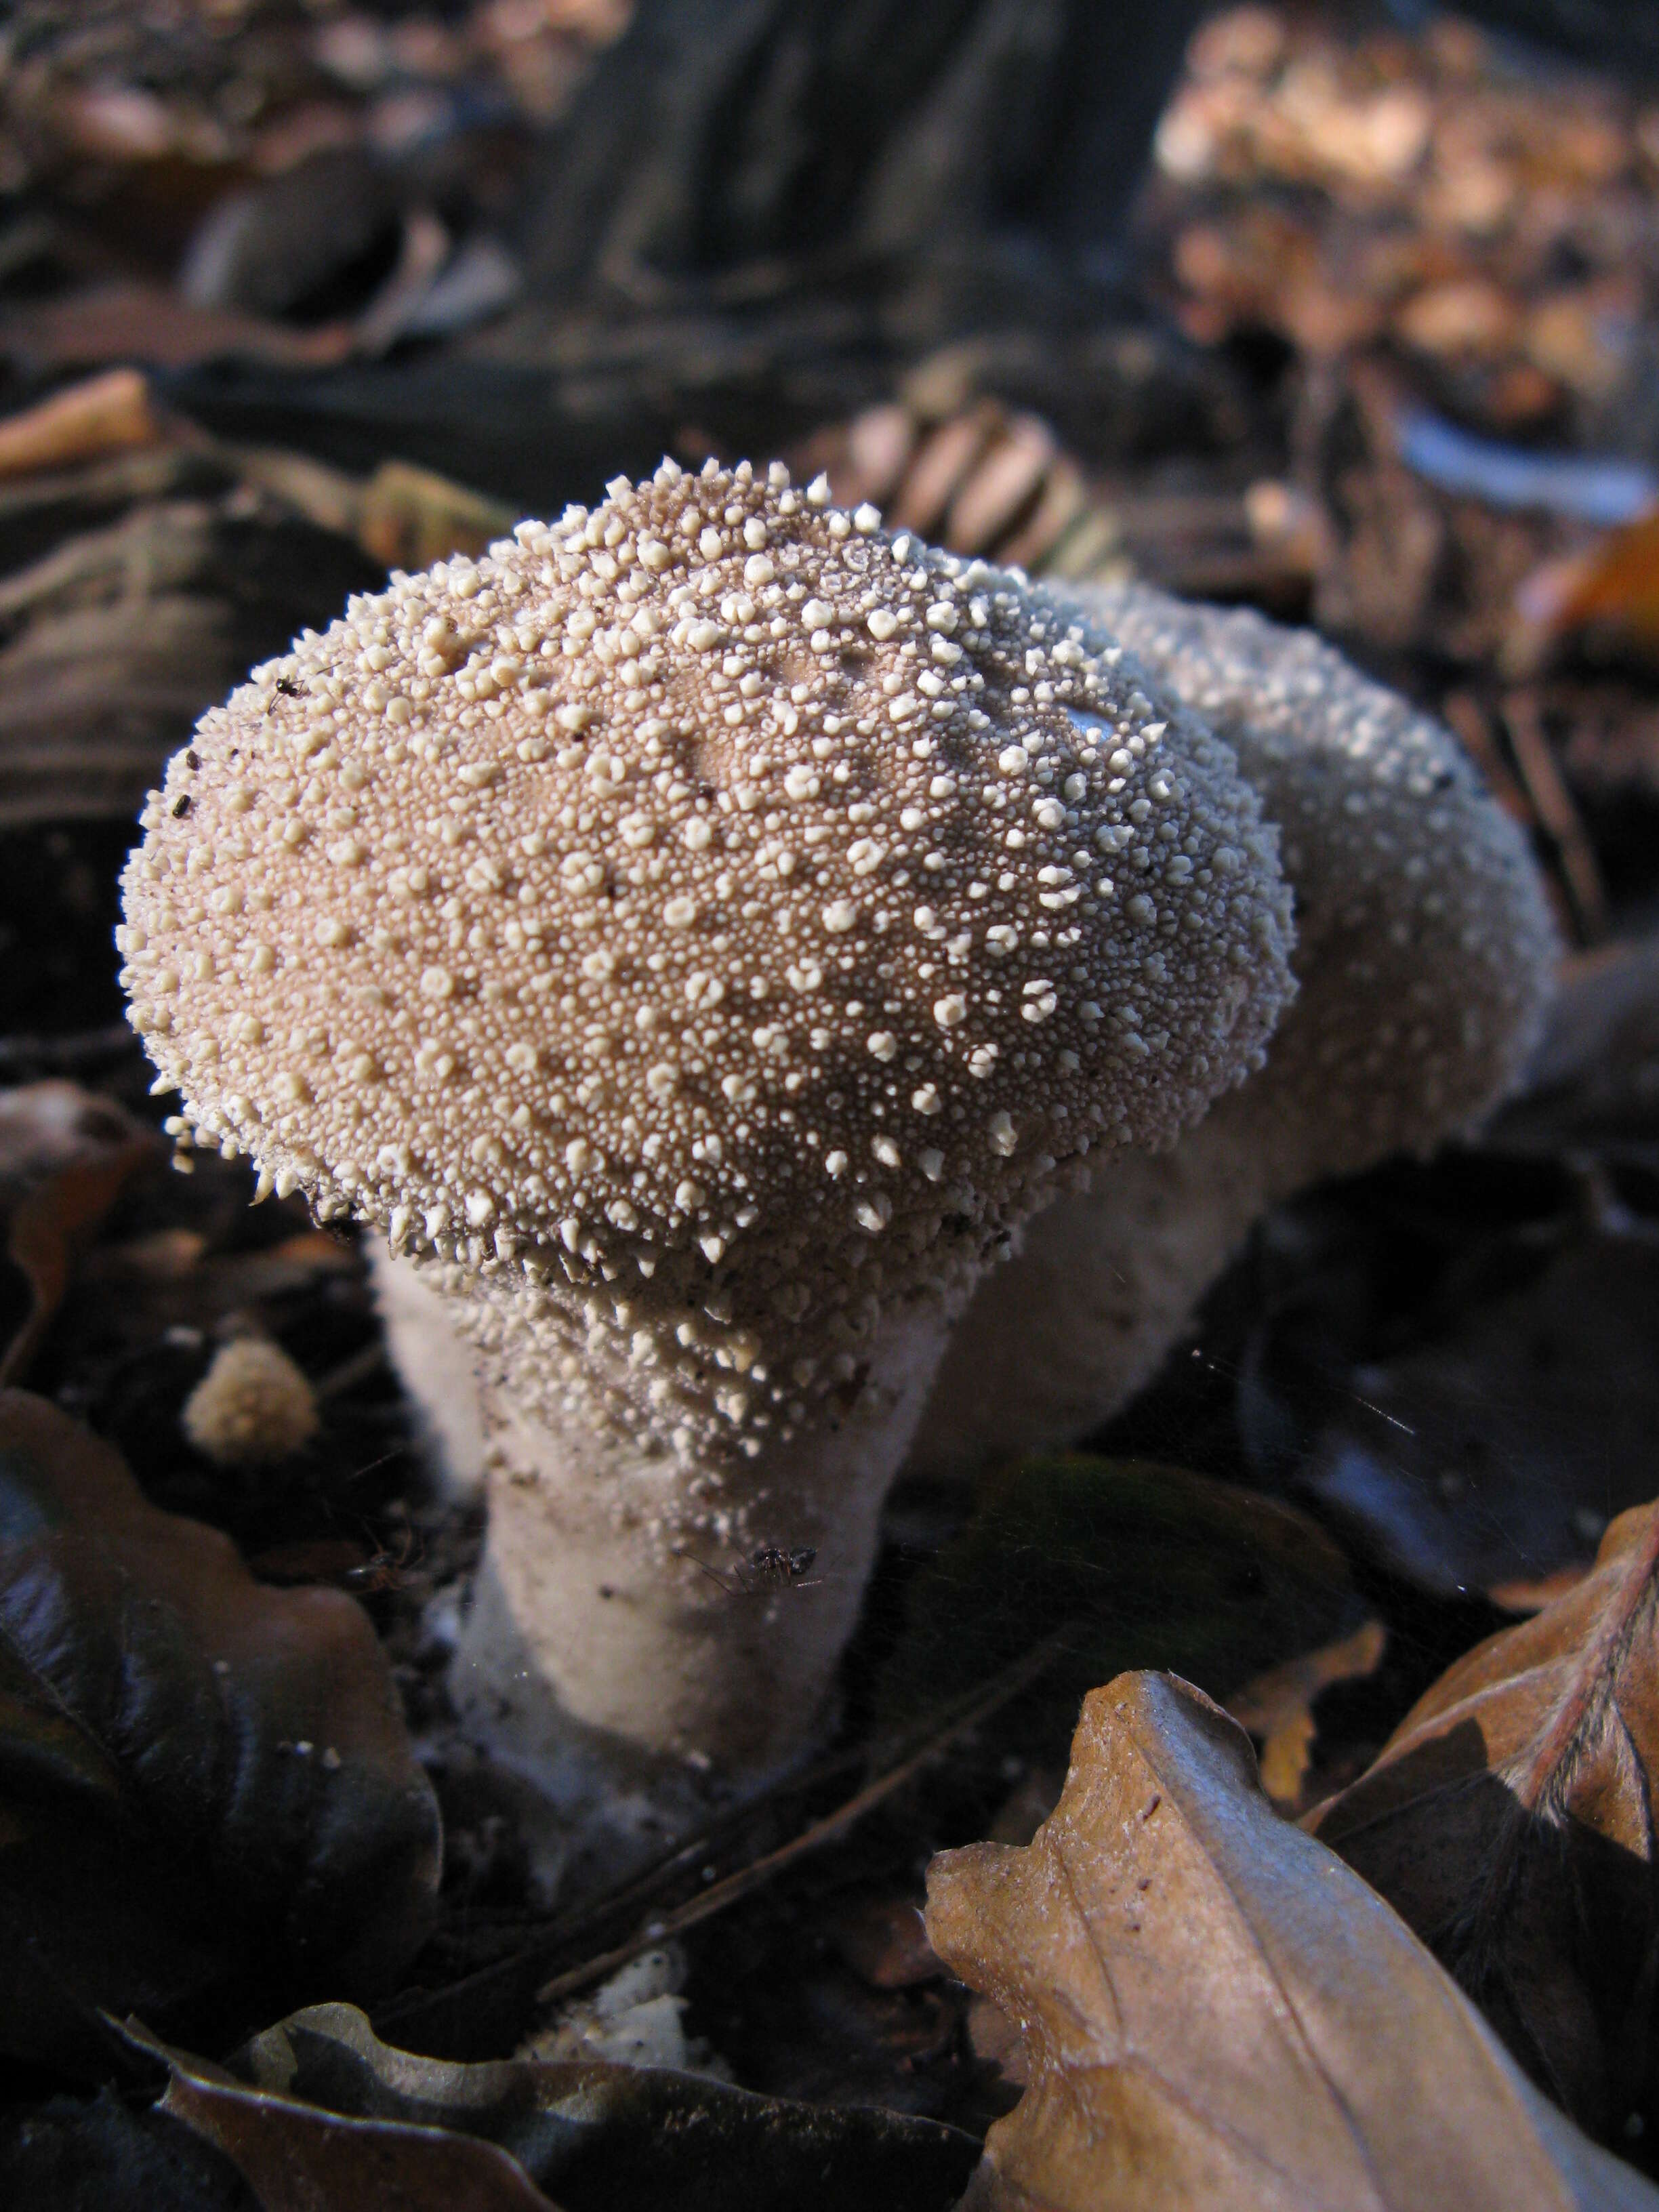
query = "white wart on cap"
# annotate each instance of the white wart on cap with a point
(706, 919)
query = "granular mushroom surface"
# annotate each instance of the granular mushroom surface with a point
(1426, 946)
(702, 923)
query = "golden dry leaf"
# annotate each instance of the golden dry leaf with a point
(103, 415)
(1217, 2012)
(1510, 1821)
(411, 517)
(1614, 588)
(1278, 1706)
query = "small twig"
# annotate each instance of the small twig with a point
(1008, 1685)
(350, 1373)
(1473, 727)
(1553, 804)
(636, 1895)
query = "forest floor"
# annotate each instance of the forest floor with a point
(1386, 361)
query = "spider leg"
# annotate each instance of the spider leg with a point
(713, 1573)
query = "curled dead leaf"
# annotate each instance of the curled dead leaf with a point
(208, 1798)
(1508, 1820)
(1278, 1706)
(318, 2104)
(1215, 2011)
(101, 415)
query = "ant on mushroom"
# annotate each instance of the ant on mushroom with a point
(780, 1566)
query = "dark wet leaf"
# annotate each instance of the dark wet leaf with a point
(1593, 1080)
(594, 2137)
(1151, 1565)
(208, 1799)
(1510, 1821)
(97, 2155)
(1215, 2011)
(1492, 1456)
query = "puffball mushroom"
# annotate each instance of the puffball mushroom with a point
(700, 930)
(1425, 951)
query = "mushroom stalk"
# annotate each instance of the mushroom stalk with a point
(671, 1651)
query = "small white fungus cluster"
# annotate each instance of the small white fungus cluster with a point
(254, 1406)
(701, 923)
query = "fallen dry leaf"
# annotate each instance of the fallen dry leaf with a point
(103, 415)
(319, 2104)
(983, 480)
(208, 1799)
(1278, 1706)
(114, 641)
(66, 1155)
(298, 2158)
(143, 322)
(1510, 1821)
(410, 517)
(1216, 2011)
(1613, 588)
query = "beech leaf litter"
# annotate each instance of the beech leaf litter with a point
(1214, 2010)
(1341, 1891)
(1508, 1820)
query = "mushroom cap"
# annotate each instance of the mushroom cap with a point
(1424, 946)
(709, 912)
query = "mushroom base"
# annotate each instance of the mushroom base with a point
(621, 1640)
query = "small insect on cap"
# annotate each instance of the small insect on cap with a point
(714, 910)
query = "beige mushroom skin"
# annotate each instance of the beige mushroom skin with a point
(699, 933)
(1425, 951)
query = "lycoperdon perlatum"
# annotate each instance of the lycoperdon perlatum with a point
(705, 924)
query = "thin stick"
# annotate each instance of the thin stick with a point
(1547, 788)
(1020, 1676)
(1468, 719)
(348, 1374)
